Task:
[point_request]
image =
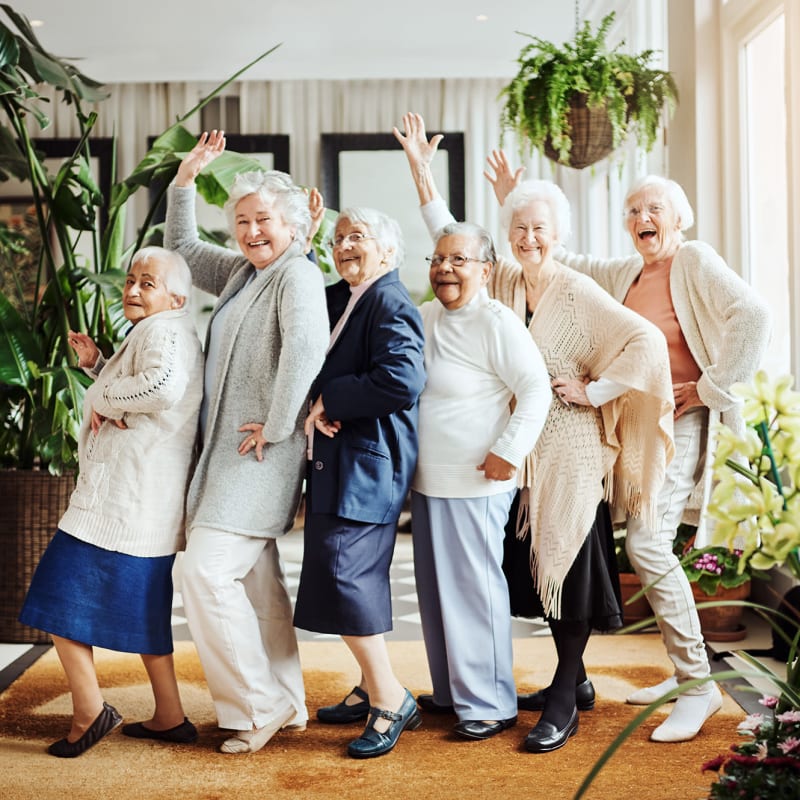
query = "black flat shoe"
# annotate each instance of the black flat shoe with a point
(584, 698)
(185, 733)
(373, 743)
(341, 713)
(478, 729)
(427, 703)
(545, 737)
(106, 721)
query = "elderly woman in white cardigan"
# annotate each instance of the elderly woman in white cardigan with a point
(105, 579)
(266, 342)
(717, 329)
(607, 436)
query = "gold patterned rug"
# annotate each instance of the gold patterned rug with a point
(430, 762)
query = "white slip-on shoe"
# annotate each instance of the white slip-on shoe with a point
(643, 697)
(253, 741)
(687, 718)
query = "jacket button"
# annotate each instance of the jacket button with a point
(319, 465)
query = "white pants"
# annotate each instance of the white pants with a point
(240, 617)
(650, 553)
(463, 602)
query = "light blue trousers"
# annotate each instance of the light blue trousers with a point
(463, 602)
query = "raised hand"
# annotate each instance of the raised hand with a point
(86, 350)
(316, 206)
(418, 149)
(503, 180)
(209, 146)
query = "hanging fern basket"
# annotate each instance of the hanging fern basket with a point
(591, 133)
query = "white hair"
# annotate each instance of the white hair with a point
(528, 192)
(177, 275)
(673, 193)
(386, 231)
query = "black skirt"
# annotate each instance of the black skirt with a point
(591, 589)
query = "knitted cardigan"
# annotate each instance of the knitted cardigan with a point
(129, 496)
(726, 325)
(618, 451)
(273, 345)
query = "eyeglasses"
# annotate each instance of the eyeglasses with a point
(351, 238)
(456, 261)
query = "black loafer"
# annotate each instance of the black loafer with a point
(341, 713)
(478, 729)
(584, 698)
(185, 733)
(545, 737)
(427, 703)
(108, 719)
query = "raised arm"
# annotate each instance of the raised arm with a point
(502, 178)
(209, 147)
(419, 152)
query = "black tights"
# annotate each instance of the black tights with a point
(570, 638)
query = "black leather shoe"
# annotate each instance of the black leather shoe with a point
(478, 729)
(545, 737)
(373, 743)
(584, 698)
(342, 713)
(427, 703)
(185, 733)
(106, 721)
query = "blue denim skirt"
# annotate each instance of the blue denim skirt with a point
(100, 597)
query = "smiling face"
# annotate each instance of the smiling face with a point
(356, 252)
(532, 233)
(261, 232)
(455, 286)
(146, 291)
(652, 224)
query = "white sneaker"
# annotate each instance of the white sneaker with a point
(643, 697)
(253, 741)
(687, 718)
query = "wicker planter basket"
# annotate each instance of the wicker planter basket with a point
(33, 502)
(591, 134)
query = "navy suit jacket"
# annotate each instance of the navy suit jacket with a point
(370, 382)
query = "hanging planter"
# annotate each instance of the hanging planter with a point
(577, 103)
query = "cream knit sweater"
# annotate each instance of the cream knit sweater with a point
(131, 487)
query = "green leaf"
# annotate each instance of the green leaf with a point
(9, 49)
(18, 347)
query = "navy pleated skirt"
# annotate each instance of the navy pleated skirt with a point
(102, 598)
(344, 582)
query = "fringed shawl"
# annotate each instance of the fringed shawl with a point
(618, 451)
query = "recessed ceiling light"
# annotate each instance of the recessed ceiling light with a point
(481, 18)
(37, 23)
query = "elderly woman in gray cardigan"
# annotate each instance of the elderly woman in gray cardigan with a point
(265, 344)
(717, 330)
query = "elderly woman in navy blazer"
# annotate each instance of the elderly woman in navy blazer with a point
(362, 430)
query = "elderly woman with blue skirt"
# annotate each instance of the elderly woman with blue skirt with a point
(105, 579)
(362, 432)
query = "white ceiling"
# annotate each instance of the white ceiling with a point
(209, 40)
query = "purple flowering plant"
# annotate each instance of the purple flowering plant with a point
(766, 763)
(714, 566)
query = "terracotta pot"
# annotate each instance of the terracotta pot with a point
(722, 623)
(629, 584)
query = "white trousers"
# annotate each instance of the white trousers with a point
(650, 553)
(240, 617)
(463, 602)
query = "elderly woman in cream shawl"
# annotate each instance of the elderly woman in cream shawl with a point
(607, 436)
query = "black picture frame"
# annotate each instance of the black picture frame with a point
(332, 144)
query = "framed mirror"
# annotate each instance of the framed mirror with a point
(371, 169)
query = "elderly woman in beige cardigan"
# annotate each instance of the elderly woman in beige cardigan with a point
(717, 330)
(607, 434)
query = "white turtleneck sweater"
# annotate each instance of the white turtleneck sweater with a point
(477, 358)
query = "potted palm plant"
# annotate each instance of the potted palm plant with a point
(578, 102)
(48, 289)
